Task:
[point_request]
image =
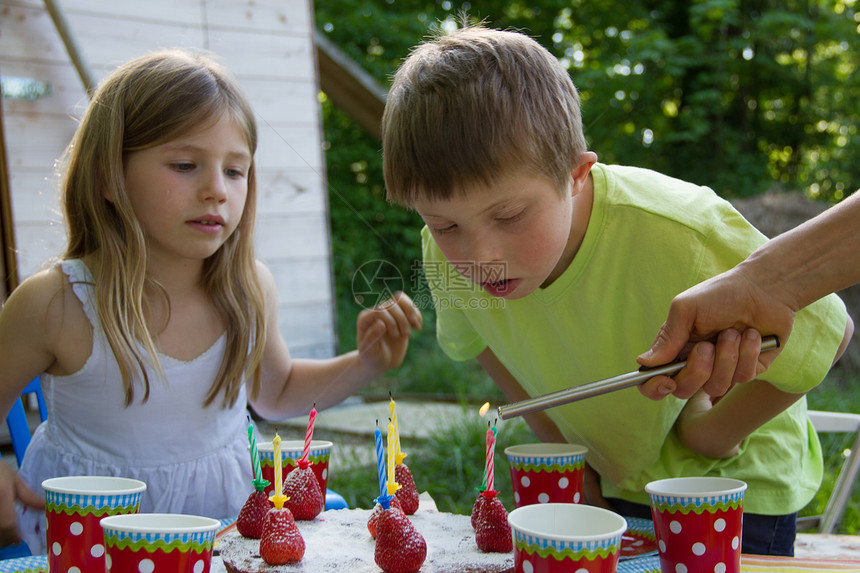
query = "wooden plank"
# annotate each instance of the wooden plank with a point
(292, 237)
(277, 100)
(37, 245)
(265, 55)
(268, 45)
(35, 142)
(35, 198)
(291, 192)
(67, 97)
(289, 147)
(302, 281)
(306, 325)
(260, 15)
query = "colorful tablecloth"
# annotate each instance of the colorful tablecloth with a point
(749, 564)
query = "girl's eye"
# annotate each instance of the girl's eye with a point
(235, 173)
(183, 166)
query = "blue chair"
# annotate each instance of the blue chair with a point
(334, 500)
(19, 431)
(19, 428)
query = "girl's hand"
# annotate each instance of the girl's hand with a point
(13, 488)
(383, 332)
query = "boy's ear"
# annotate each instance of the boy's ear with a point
(581, 169)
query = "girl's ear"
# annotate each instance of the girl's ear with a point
(106, 192)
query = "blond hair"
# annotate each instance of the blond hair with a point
(148, 101)
(468, 107)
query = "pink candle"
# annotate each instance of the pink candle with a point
(309, 435)
(491, 450)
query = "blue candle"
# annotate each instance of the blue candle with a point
(380, 461)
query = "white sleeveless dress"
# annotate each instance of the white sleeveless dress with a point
(193, 460)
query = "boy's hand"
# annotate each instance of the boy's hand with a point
(696, 430)
(383, 332)
(13, 488)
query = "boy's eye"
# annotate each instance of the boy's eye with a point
(512, 218)
(447, 229)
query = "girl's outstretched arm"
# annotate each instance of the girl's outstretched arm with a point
(290, 387)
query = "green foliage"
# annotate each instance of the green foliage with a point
(734, 95)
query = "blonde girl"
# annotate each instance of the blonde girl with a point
(156, 321)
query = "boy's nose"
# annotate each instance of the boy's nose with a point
(484, 249)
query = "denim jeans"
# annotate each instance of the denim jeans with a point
(762, 534)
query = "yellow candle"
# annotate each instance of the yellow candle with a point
(393, 486)
(278, 498)
(398, 455)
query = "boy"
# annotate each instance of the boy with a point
(571, 267)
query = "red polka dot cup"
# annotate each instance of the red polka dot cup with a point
(153, 542)
(546, 473)
(291, 453)
(698, 522)
(74, 505)
(566, 538)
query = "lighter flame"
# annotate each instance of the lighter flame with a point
(484, 409)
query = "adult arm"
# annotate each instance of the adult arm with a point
(760, 295)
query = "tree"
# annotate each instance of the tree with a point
(741, 95)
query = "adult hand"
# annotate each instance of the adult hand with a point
(383, 332)
(13, 488)
(717, 326)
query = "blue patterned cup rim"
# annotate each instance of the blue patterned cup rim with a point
(94, 485)
(159, 523)
(692, 488)
(546, 450)
(293, 449)
(569, 524)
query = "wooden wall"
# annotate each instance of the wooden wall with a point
(268, 45)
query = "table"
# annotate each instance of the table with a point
(749, 564)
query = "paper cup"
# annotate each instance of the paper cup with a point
(152, 542)
(546, 473)
(698, 522)
(566, 537)
(291, 453)
(73, 507)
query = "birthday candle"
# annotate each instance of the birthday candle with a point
(491, 451)
(392, 409)
(309, 434)
(380, 460)
(278, 498)
(393, 486)
(255, 456)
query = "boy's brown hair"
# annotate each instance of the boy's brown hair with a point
(468, 107)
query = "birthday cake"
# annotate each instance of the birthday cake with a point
(338, 540)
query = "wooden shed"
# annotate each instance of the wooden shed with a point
(268, 45)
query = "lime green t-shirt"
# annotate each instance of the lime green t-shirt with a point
(649, 237)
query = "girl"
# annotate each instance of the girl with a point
(157, 319)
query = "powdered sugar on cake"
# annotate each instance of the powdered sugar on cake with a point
(338, 540)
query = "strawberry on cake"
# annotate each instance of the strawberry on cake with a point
(339, 540)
